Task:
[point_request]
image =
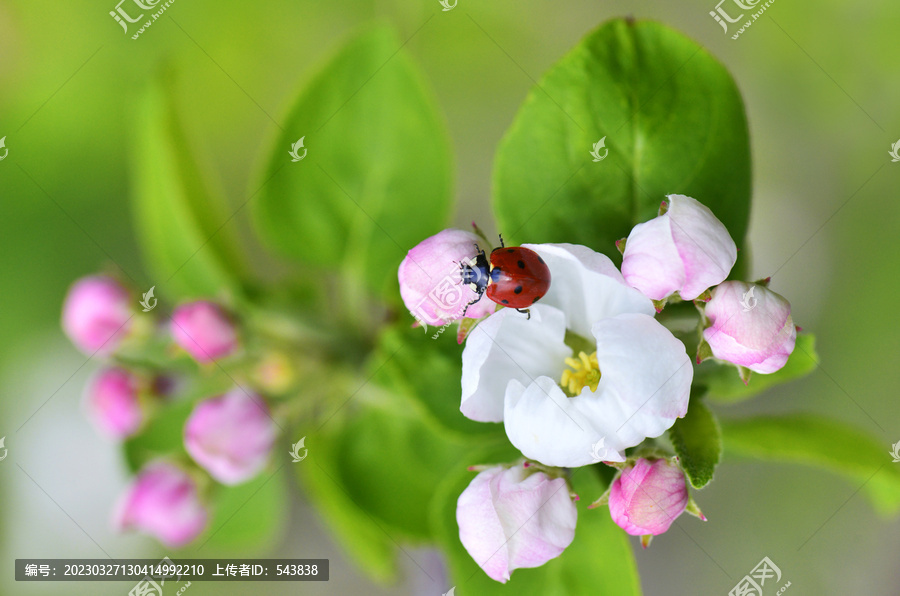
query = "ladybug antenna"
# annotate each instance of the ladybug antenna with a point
(501, 240)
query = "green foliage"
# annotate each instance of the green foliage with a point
(723, 383)
(673, 120)
(698, 443)
(181, 223)
(429, 371)
(372, 470)
(817, 441)
(249, 517)
(376, 178)
(599, 560)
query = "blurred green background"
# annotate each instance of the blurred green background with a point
(820, 85)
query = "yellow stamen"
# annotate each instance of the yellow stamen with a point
(585, 372)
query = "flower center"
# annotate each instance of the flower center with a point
(583, 371)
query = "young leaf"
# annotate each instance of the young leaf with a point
(376, 178)
(698, 443)
(723, 383)
(824, 443)
(673, 122)
(179, 220)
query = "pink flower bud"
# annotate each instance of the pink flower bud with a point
(97, 314)
(646, 499)
(113, 402)
(751, 326)
(231, 436)
(204, 331)
(431, 282)
(163, 501)
(515, 518)
(684, 250)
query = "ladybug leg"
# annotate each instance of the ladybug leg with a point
(471, 303)
(525, 311)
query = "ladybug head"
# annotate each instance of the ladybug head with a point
(476, 272)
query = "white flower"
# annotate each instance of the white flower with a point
(557, 405)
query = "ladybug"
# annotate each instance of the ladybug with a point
(515, 276)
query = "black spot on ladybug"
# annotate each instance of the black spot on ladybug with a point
(536, 298)
(510, 250)
(521, 264)
(541, 260)
(505, 301)
(518, 290)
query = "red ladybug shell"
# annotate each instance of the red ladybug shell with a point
(519, 277)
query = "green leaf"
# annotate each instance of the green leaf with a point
(358, 532)
(673, 120)
(371, 471)
(180, 222)
(250, 517)
(429, 371)
(376, 179)
(698, 443)
(725, 385)
(599, 560)
(824, 443)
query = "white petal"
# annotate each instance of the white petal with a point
(508, 346)
(549, 427)
(644, 387)
(587, 286)
(644, 365)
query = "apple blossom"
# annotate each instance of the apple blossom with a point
(113, 402)
(97, 314)
(430, 280)
(230, 436)
(163, 501)
(631, 382)
(512, 518)
(685, 250)
(647, 496)
(750, 326)
(204, 330)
